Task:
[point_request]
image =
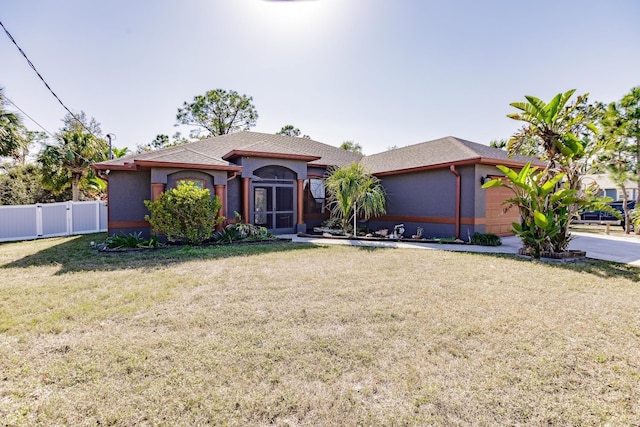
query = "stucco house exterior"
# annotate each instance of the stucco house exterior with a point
(276, 181)
(609, 188)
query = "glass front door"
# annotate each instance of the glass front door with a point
(273, 207)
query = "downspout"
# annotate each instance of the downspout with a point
(453, 170)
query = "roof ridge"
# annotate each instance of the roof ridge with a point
(205, 155)
(463, 144)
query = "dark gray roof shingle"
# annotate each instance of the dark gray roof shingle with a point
(211, 151)
(439, 151)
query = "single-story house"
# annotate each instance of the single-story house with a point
(277, 181)
(609, 188)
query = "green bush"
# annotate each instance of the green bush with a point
(241, 231)
(485, 239)
(132, 240)
(185, 214)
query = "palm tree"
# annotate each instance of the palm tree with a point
(352, 186)
(68, 162)
(11, 139)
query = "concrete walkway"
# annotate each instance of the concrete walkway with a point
(608, 248)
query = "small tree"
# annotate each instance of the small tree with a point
(219, 112)
(351, 146)
(351, 186)
(290, 130)
(186, 213)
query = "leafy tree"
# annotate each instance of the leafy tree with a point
(219, 112)
(620, 133)
(162, 141)
(65, 163)
(22, 185)
(290, 130)
(626, 114)
(352, 187)
(80, 124)
(186, 213)
(351, 146)
(501, 144)
(119, 152)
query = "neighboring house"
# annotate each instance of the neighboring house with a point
(276, 181)
(608, 188)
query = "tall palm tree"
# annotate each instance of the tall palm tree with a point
(10, 130)
(68, 162)
(351, 186)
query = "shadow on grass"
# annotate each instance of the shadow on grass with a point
(76, 254)
(598, 268)
(371, 248)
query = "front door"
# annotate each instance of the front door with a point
(273, 207)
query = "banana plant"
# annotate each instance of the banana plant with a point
(544, 207)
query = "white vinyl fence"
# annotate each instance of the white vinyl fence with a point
(24, 222)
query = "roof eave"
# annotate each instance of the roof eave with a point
(465, 162)
(509, 163)
(114, 167)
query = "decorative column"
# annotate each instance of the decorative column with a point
(300, 226)
(246, 188)
(156, 190)
(300, 201)
(220, 191)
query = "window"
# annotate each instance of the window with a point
(198, 182)
(275, 173)
(314, 196)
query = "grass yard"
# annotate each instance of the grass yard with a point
(293, 335)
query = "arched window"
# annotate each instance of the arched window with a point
(275, 173)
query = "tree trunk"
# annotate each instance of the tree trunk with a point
(625, 211)
(75, 186)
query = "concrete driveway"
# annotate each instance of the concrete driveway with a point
(624, 250)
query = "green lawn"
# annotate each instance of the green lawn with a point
(293, 335)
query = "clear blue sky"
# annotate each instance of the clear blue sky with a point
(379, 72)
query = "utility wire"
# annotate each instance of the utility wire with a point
(42, 127)
(43, 80)
(28, 116)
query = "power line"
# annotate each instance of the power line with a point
(42, 127)
(43, 80)
(30, 118)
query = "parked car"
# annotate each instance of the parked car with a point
(604, 216)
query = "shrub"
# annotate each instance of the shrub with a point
(185, 214)
(132, 240)
(485, 239)
(241, 231)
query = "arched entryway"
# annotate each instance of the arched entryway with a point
(273, 190)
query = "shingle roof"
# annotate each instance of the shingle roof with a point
(211, 151)
(441, 151)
